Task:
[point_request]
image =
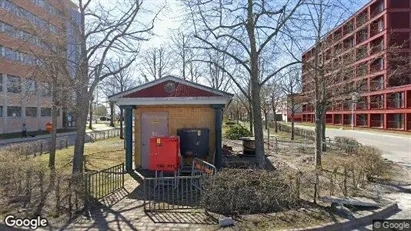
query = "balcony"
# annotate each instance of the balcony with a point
(377, 65)
(377, 102)
(377, 8)
(377, 26)
(362, 19)
(361, 52)
(362, 120)
(349, 43)
(362, 70)
(395, 121)
(362, 35)
(377, 83)
(362, 104)
(377, 46)
(348, 27)
(396, 100)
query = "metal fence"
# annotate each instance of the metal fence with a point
(179, 192)
(36, 147)
(100, 184)
(102, 135)
(171, 193)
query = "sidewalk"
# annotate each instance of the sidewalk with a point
(97, 128)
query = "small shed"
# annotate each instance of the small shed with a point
(164, 105)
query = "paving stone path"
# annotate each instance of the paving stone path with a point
(124, 211)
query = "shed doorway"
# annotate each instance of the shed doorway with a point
(152, 124)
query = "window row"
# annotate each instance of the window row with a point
(14, 85)
(48, 7)
(19, 34)
(20, 12)
(14, 111)
(18, 56)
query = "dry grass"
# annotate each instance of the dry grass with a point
(37, 185)
(99, 155)
(307, 216)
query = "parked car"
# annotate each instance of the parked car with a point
(105, 118)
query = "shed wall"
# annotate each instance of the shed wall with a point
(179, 116)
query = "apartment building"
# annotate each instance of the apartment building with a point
(24, 96)
(378, 37)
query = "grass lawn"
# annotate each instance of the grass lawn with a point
(98, 155)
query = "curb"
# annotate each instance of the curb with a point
(355, 223)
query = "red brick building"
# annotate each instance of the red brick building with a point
(385, 101)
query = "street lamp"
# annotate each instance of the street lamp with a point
(354, 97)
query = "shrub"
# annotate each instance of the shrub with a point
(230, 123)
(349, 145)
(236, 132)
(371, 162)
(236, 191)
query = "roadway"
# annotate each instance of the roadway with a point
(396, 148)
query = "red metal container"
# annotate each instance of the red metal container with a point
(164, 153)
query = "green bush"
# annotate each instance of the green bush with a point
(238, 191)
(236, 132)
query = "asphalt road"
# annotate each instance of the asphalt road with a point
(396, 148)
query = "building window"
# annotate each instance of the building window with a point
(45, 89)
(380, 25)
(45, 112)
(13, 84)
(12, 55)
(13, 111)
(31, 111)
(1, 111)
(30, 86)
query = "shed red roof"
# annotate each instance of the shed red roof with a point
(170, 89)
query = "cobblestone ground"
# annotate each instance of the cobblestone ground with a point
(124, 211)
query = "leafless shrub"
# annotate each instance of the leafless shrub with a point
(235, 191)
(28, 186)
(349, 145)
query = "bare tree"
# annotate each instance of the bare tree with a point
(276, 100)
(181, 47)
(217, 61)
(291, 86)
(102, 32)
(122, 81)
(157, 63)
(250, 29)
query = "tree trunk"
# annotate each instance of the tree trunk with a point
(275, 121)
(81, 123)
(121, 124)
(251, 121)
(292, 125)
(90, 126)
(258, 125)
(53, 136)
(292, 116)
(323, 128)
(266, 120)
(112, 114)
(318, 137)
